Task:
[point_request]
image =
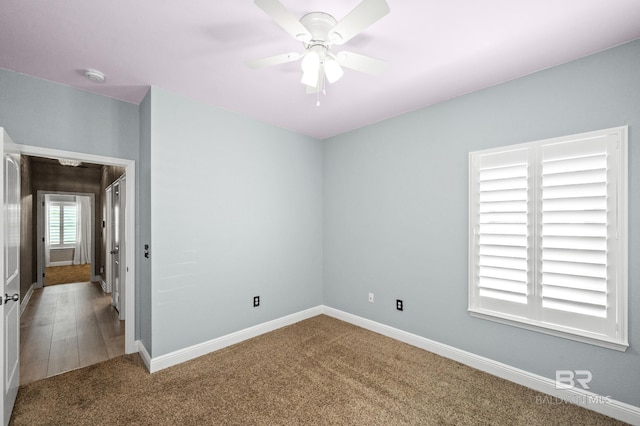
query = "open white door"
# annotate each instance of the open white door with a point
(116, 222)
(10, 295)
(108, 275)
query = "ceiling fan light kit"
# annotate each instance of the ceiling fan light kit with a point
(69, 162)
(318, 31)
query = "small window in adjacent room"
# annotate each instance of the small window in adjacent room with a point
(62, 224)
(548, 236)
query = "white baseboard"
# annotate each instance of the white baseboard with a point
(144, 354)
(61, 263)
(186, 354)
(589, 400)
(26, 298)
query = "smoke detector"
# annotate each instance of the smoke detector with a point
(94, 75)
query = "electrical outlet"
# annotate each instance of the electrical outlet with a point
(371, 299)
(399, 305)
(256, 301)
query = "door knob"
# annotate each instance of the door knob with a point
(15, 297)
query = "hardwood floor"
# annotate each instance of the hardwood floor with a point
(65, 327)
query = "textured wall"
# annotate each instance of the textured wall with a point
(236, 211)
(396, 212)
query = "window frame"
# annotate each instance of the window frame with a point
(532, 319)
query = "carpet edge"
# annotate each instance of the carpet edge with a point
(177, 357)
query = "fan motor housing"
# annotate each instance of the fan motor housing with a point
(319, 24)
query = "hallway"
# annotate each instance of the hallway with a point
(65, 327)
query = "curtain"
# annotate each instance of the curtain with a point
(82, 252)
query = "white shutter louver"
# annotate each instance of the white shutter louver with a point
(54, 224)
(502, 218)
(576, 201)
(69, 224)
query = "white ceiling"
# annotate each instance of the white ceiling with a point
(198, 48)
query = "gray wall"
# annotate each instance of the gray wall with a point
(236, 212)
(143, 219)
(40, 113)
(396, 212)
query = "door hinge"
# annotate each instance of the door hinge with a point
(43, 275)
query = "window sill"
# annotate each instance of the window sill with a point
(609, 344)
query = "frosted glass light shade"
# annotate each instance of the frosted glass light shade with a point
(332, 70)
(311, 69)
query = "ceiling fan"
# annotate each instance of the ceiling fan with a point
(318, 32)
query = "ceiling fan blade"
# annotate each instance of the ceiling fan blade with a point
(365, 14)
(274, 60)
(283, 17)
(362, 63)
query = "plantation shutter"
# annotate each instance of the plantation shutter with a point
(502, 231)
(548, 240)
(54, 224)
(70, 216)
(579, 233)
(62, 223)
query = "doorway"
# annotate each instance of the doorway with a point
(128, 293)
(66, 236)
(68, 323)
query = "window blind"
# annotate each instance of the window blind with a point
(54, 224)
(578, 235)
(62, 223)
(547, 236)
(70, 216)
(503, 226)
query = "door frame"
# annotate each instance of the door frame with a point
(40, 232)
(130, 227)
(107, 288)
(109, 231)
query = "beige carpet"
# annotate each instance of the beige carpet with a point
(67, 274)
(320, 371)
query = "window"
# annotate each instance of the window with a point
(548, 236)
(62, 224)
